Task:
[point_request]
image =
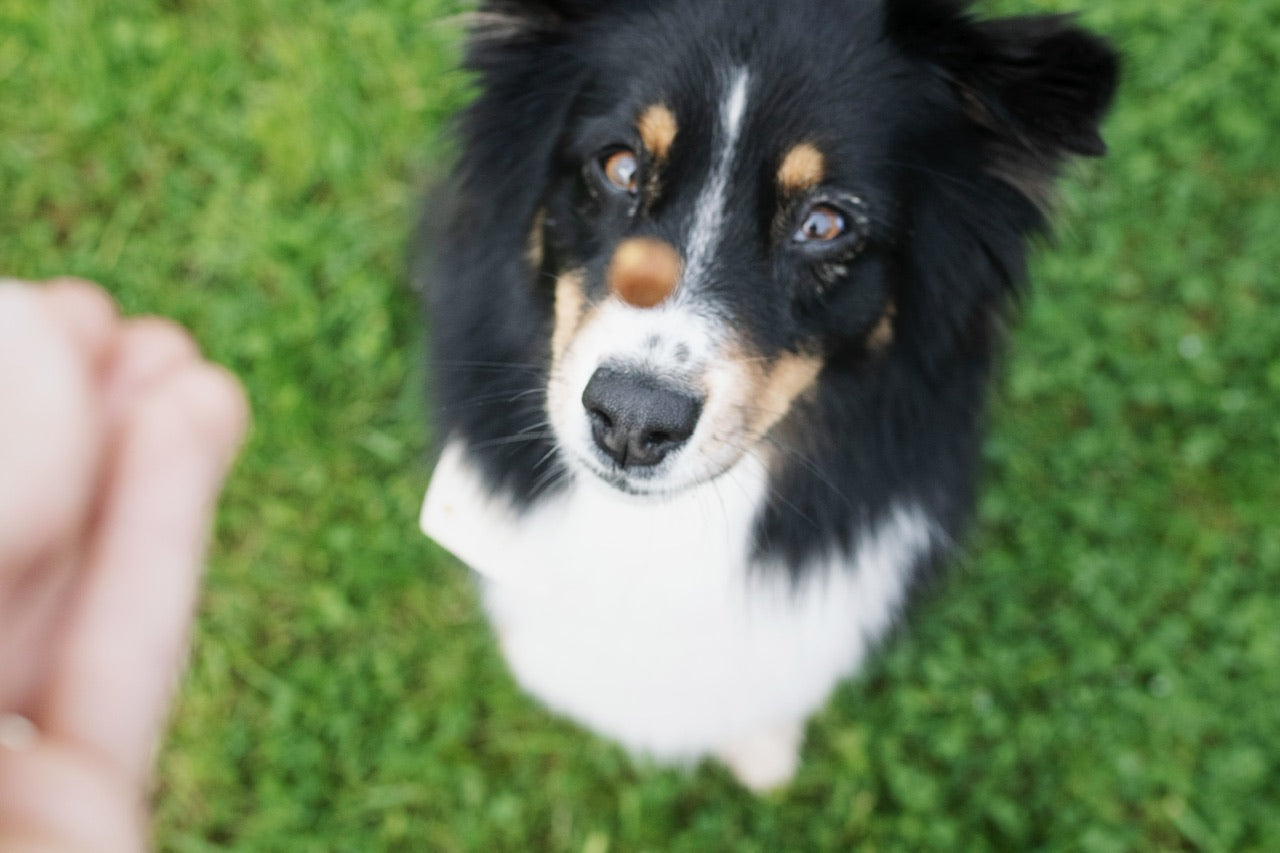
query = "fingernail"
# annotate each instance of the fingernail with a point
(17, 733)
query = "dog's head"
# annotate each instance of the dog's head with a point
(732, 200)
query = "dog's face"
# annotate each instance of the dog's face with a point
(712, 245)
(733, 196)
(694, 246)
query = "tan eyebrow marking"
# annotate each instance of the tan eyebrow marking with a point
(882, 336)
(802, 169)
(658, 129)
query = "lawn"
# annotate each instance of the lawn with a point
(1100, 672)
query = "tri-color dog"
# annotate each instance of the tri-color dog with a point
(717, 294)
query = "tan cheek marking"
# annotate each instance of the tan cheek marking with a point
(802, 169)
(658, 129)
(571, 301)
(882, 336)
(535, 250)
(644, 272)
(779, 386)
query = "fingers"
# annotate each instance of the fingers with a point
(114, 441)
(85, 313)
(147, 349)
(54, 342)
(127, 634)
(131, 358)
(50, 441)
(52, 799)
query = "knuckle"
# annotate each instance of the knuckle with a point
(83, 291)
(81, 309)
(156, 338)
(197, 404)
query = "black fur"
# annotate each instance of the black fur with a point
(948, 127)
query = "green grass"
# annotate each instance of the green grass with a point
(1101, 672)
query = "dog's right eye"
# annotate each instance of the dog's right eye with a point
(621, 169)
(822, 224)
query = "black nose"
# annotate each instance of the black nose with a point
(637, 420)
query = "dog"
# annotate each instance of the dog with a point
(717, 292)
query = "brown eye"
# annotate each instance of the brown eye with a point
(822, 224)
(622, 169)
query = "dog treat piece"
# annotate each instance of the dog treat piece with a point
(644, 272)
(715, 309)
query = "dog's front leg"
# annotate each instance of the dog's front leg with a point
(767, 759)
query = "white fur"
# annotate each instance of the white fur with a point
(646, 620)
(708, 219)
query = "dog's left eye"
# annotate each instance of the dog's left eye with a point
(622, 170)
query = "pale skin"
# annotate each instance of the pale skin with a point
(115, 438)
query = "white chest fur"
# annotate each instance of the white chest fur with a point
(647, 621)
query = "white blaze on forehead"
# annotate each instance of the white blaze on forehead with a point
(678, 341)
(708, 218)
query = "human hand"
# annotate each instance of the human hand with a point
(115, 437)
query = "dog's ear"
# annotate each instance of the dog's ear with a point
(562, 8)
(526, 20)
(524, 58)
(1038, 85)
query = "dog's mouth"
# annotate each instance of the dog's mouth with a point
(622, 482)
(639, 483)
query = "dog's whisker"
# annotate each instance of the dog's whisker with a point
(509, 440)
(811, 466)
(551, 478)
(774, 496)
(547, 457)
(482, 400)
(504, 366)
